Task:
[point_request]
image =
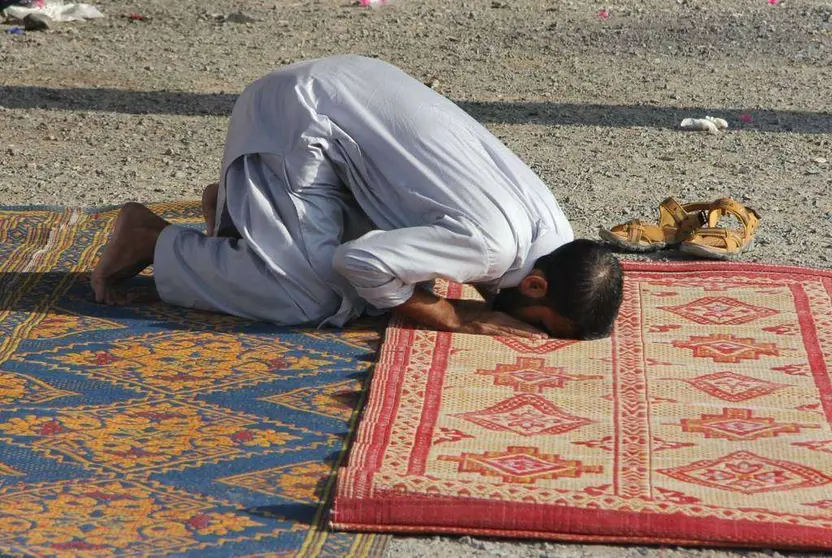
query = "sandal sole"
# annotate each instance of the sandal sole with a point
(624, 245)
(704, 252)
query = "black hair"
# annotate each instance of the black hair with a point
(585, 285)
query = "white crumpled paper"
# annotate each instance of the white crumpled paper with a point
(708, 124)
(56, 11)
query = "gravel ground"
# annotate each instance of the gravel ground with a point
(108, 111)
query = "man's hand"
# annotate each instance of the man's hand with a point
(477, 318)
(464, 316)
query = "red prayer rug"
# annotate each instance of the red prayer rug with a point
(705, 419)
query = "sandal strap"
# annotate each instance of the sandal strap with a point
(673, 212)
(748, 216)
(685, 218)
(722, 238)
(635, 231)
(731, 240)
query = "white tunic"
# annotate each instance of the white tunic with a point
(316, 150)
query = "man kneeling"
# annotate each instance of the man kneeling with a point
(347, 186)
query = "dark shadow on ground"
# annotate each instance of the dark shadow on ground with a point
(503, 112)
(304, 513)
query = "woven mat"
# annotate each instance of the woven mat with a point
(704, 420)
(150, 430)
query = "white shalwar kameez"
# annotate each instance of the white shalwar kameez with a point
(350, 183)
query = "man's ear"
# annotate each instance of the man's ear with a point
(534, 285)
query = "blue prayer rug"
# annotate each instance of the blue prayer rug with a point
(154, 430)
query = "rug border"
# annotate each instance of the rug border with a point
(558, 537)
(673, 266)
(675, 528)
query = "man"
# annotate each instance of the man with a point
(348, 186)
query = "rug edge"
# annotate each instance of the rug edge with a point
(530, 536)
(671, 266)
(353, 514)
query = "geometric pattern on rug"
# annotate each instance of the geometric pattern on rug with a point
(704, 419)
(150, 430)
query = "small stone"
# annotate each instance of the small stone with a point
(169, 151)
(179, 175)
(812, 171)
(667, 158)
(819, 160)
(37, 22)
(51, 138)
(240, 17)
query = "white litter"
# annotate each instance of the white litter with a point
(56, 11)
(708, 124)
(375, 3)
(720, 123)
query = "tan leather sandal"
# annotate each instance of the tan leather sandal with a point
(724, 243)
(676, 223)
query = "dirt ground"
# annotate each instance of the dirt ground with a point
(111, 110)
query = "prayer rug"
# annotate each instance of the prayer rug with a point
(705, 419)
(149, 430)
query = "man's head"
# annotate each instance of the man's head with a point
(573, 292)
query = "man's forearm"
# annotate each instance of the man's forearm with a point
(463, 316)
(486, 293)
(433, 311)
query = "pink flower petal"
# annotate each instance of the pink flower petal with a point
(746, 118)
(603, 14)
(772, 2)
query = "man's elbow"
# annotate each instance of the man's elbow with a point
(340, 259)
(355, 264)
(371, 279)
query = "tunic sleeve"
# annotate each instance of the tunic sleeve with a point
(385, 266)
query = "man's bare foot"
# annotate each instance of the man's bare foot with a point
(129, 251)
(209, 207)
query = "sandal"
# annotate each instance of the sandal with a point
(724, 243)
(676, 223)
